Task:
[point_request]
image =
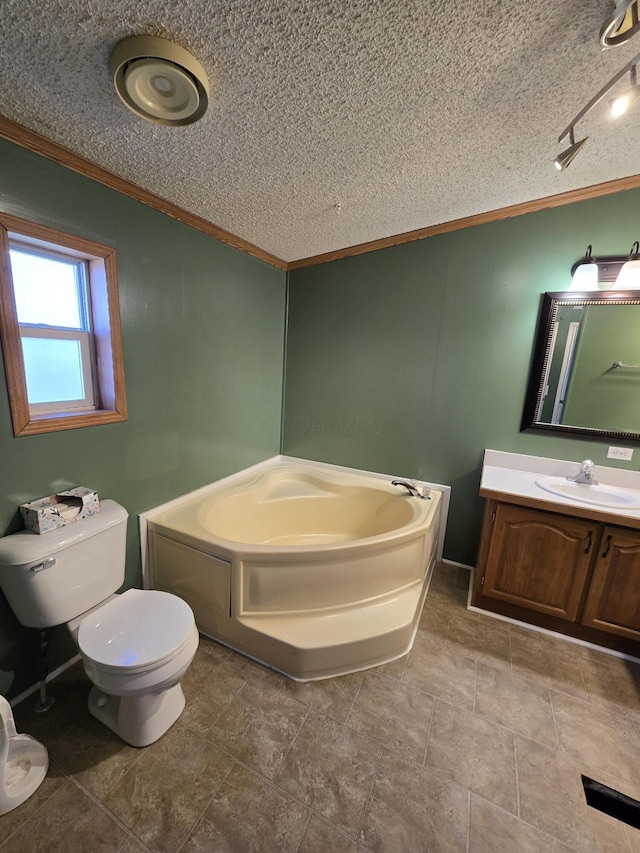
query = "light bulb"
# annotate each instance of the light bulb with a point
(619, 106)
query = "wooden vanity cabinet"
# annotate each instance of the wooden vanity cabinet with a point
(576, 575)
(538, 560)
(613, 600)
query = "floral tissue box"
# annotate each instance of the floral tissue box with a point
(55, 511)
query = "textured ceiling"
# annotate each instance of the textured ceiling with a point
(331, 123)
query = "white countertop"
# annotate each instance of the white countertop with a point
(515, 474)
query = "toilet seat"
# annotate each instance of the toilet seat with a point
(136, 631)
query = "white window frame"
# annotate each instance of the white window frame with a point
(101, 340)
(84, 339)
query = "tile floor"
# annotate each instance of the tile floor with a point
(473, 742)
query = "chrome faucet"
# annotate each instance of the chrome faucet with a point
(415, 491)
(586, 474)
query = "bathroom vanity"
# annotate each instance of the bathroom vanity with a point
(551, 554)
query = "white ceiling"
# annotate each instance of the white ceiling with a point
(331, 123)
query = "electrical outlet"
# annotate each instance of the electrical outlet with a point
(620, 453)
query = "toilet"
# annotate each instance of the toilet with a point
(135, 647)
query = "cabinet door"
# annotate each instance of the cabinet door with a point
(539, 560)
(613, 602)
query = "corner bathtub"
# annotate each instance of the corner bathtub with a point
(311, 569)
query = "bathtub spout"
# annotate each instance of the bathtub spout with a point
(415, 491)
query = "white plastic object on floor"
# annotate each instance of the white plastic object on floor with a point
(23, 762)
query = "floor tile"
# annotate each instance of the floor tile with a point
(393, 713)
(614, 686)
(475, 753)
(438, 671)
(556, 668)
(395, 668)
(433, 624)
(517, 704)
(331, 696)
(552, 799)
(132, 845)
(259, 726)
(161, 798)
(414, 811)
(481, 638)
(213, 648)
(249, 815)
(322, 837)
(450, 583)
(71, 823)
(492, 830)
(331, 768)
(94, 755)
(69, 691)
(209, 685)
(597, 737)
(260, 762)
(13, 820)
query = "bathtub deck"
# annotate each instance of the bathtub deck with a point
(318, 645)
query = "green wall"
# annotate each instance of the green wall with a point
(414, 359)
(409, 361)
(203, 338)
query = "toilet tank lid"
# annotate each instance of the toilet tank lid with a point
(27, 547)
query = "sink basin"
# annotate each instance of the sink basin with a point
(607, 496)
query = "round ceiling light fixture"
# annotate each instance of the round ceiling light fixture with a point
(159, 81)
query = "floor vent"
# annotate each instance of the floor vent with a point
(612, 802)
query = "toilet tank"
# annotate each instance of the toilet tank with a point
(50, 579)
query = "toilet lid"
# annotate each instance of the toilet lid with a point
(136, 629)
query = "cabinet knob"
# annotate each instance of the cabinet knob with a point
(589, 541)
(607, 546)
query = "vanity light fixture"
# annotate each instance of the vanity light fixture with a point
(618, 107)
(629, 275)
(159, 81)
(611, 273)
(621, 25)
(585, 273)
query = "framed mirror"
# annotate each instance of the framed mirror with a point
(585, 373)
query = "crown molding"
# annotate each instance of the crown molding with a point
(53, 151)
(513, 210)
(26, 138)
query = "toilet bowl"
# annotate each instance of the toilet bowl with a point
(135, 646)
(135, 649)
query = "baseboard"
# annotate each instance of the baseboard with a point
(457, 565)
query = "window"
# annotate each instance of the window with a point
(60, 325)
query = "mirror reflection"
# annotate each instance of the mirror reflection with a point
(586, 368)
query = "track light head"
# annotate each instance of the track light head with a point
(619, 106)
(566, 157)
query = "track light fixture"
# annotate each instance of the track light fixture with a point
(618, 107)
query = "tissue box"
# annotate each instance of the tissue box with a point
(55, 511)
